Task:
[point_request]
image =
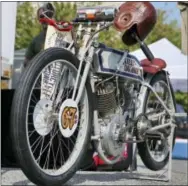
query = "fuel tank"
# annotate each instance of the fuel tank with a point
(121, 63)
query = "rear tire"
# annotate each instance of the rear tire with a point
(143, 151)
(19, 135)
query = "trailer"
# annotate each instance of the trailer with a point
(9, 10)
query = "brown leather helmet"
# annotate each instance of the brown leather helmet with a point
(135, 16)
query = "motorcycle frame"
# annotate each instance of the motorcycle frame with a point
(145, 85)
(88, 40)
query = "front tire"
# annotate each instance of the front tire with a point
(39, 170)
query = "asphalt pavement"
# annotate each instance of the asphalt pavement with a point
(179, 176)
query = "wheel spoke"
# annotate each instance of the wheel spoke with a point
(54, 159)
(37, 145)
(38, 159)
(49, 150)
(31, 133)
(56, 156)
(49, 143)
(36, 141)
(61, 150)
(65, 146)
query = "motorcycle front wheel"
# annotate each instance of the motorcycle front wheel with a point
(50, 131)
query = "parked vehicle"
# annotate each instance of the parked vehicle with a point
(72, 96)
(182, 123)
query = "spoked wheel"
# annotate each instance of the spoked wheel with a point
(50, 131)
(154, 152)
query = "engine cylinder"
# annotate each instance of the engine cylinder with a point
(106, 99)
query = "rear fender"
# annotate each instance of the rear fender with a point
(143, 92)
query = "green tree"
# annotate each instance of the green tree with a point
(182, 98)
(65, 11)
(88, 4)
(27, 25)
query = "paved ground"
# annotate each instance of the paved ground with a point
(179, 177)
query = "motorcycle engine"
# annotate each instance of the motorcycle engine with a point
(113, 103)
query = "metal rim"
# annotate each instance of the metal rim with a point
(61, 163)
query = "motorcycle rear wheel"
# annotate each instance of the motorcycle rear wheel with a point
(145, 153)
(37, 163)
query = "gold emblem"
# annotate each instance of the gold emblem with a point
(69, 117)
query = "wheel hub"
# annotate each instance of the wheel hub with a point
(42, 117)
(143, 124)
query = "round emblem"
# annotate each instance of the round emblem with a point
(68, 117)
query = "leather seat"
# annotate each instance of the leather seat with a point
(154, 66)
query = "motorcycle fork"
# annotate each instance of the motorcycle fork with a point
(81, 80)
(87, 48)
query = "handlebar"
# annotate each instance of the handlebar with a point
(68, 26)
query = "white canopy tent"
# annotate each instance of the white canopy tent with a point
(176, 62)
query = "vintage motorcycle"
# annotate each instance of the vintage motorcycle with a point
(75, 94)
